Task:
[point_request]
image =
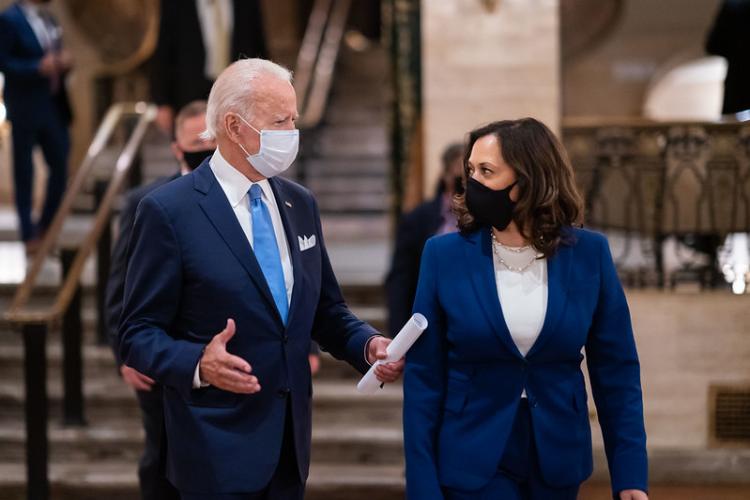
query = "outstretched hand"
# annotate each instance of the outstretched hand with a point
(227, 371)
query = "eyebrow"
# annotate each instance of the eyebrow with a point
(482, 163)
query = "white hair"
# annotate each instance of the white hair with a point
(234, 91)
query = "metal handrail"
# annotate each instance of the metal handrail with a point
(17, 313)
(309, 49)
(317, 58)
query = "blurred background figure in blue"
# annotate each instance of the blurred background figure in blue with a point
(730, 38)
(432, 217)
(35, 63)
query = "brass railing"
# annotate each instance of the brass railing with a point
(18, 312)
(317, 57)
(34, 323)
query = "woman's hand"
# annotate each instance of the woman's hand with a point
(633, 495)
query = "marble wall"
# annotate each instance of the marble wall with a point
(481, 65)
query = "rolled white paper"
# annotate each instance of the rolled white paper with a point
(396, 350)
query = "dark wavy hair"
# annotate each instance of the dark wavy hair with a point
(549, 202)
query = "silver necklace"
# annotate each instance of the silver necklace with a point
(500, 259)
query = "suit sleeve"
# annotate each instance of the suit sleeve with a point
(424, 386)
(151, 300)
(401, 282)
(614, 371)
(719, 41)
(116, 281)
(254, 30)
(162, 63)
(19, 67)
(335, 328)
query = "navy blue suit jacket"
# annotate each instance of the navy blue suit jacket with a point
(190, 268)
(464, 376)
(28, 94)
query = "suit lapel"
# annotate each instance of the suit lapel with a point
(27, 32)
(558, 271)
(218, 210)
(482, 270)
(290, 229)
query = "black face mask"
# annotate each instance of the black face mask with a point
(490, 207)
(194, 158)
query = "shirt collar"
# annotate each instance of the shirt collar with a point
(29, 8)
(234, 184)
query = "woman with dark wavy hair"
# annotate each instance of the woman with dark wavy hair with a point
(495, 403)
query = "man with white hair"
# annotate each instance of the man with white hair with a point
(228, 280)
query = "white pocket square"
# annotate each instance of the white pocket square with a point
(306, 242)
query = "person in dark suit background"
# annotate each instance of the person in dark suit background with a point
(35, 64)
(730, 38)
(228, 281)
(197, 40)
(189, 150)
(415, 228)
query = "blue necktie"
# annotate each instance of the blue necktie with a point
(267, 251)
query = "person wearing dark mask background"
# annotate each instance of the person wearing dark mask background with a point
(190, 149)
(415, 228)
(35, 64)
(495, 404)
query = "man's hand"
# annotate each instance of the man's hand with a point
(136, 379)
(388, 372)
(164, 119)
(314, 363)
(48, 65)
(633, 495)
(226, 371)
(64, 60)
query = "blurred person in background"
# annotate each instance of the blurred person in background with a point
(416, 227)
(730, 39)
(197, 40)
(190, 150)
(35, 64)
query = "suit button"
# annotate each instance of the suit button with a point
(285, 338)
(283, 392)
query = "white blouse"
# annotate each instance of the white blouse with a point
(523, 294)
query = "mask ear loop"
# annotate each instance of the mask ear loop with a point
(254, 129)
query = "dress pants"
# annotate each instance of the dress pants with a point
(285, 483)
(152, 467)
(518, 475)
(51, 134)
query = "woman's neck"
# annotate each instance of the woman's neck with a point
(510, 236)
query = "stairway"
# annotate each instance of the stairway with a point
(357, 442)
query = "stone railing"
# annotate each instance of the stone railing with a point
(667, 193)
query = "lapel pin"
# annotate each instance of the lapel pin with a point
(288, 204)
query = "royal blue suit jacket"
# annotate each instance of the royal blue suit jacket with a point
(190, 268)
(464, 376)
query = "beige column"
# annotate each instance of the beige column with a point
(486, 60)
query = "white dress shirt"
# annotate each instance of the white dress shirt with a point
(236, 187)
(523, 295)
(217, 25)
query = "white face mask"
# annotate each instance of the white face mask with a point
(278, 149)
